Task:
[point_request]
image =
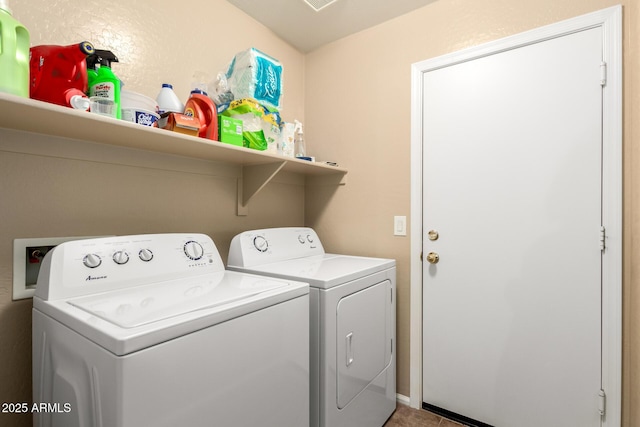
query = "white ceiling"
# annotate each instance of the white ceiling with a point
(297, 23)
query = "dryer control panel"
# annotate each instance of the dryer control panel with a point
(256, 247)
(88, 266)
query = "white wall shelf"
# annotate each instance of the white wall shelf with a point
(258, 168)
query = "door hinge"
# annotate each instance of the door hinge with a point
(602, 402)
(603, 236)
(603, 73)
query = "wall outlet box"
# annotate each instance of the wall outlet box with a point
(27, 259)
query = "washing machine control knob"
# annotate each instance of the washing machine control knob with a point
(145, 255)
(92, 260)
(301, 239)
(193, 250)
(309, 238)
(121, 257)
(260, 243)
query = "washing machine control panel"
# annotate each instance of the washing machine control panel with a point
(257, 247)
(91, 265)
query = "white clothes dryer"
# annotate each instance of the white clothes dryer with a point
(352, 320)
(150, 330)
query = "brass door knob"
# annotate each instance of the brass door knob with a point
(433, 257)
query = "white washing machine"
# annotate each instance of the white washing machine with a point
(352, 321)
(150, 330)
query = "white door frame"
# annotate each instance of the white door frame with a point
(610, 20)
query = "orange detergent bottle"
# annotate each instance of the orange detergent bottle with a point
(199, 105)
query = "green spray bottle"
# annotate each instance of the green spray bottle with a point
(102, 81)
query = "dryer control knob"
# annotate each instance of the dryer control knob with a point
(145, 255)
(91, 260)
(301, 239)
(261, 243)
(309, 238)
(121, 257)
(193, 250)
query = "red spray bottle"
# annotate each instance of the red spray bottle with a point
(58, 74)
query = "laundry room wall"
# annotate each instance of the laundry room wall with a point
(52, 187)
(357, 105)
(353, 96)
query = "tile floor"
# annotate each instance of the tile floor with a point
(408, 417)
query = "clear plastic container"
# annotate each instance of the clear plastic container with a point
(103, 106)
(168, 101)
(14, 54)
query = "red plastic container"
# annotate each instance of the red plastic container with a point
(58, 74)
(199, 105)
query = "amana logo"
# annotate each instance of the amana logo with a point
(95, 278)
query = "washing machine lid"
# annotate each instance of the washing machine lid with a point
(322, 271)
(131, 319)
(134, 307)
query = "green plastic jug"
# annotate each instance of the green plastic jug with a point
(14, 54)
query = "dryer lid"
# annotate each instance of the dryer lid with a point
(323, 271)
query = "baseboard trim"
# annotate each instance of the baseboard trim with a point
(400, 398)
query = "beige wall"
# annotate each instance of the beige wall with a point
(354, 98)
(357, 105)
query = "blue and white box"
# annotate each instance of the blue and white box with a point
(254, 74)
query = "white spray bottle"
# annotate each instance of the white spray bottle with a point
(299, 147)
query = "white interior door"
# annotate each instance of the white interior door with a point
(512, 158)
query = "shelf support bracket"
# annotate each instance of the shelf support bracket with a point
(253, 179)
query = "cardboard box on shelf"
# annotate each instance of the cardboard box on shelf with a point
(180, 123)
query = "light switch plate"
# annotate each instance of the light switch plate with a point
(399, 225)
